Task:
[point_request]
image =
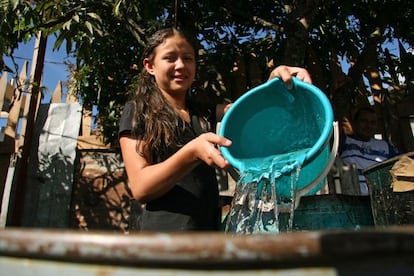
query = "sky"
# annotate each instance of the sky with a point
(54, 70)
(54, 66)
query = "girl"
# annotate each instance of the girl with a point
(167, 151)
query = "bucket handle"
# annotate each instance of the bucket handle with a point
(317, 180)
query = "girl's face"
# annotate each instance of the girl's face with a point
(174, 65)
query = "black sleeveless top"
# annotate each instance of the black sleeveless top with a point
(192, 204)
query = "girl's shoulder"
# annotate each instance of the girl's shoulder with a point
(127, 116)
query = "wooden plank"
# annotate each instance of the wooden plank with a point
(6, 95)
(7, 191)
(86, 122)
(20, 105)
(3, 87)
(13, 119)
(57, 93)
(92, 142)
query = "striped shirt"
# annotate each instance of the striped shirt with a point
(365, 154)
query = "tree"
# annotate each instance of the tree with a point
(240, 41)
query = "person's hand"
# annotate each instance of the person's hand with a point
(285, 73)
(206, 149)
(227, 107)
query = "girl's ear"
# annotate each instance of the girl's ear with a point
(148, 66)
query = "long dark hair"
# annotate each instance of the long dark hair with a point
(156, 123)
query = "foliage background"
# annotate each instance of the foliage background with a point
(240, 42)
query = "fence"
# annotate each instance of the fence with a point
(72, 180)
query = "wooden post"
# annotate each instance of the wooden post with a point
(18, 193)
(16, 98)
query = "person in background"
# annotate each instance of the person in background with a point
(362, 148)
(168, 147)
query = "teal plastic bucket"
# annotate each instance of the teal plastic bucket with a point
(272, 121)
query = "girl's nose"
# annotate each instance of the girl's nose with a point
(179, 63)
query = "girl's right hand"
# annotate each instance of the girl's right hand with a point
(206, 149)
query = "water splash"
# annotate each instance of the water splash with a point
(265, 190)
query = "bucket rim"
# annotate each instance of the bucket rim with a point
(321, 141)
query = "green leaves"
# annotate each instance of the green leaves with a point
(240, 40)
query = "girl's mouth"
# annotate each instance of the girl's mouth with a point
(179, 77)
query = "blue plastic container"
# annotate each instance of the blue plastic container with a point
(271, 120)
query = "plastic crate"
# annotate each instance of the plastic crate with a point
(388, 207)
(334, 211)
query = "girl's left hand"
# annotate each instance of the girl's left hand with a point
(285, 73)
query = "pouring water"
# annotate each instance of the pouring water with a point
(261, 195)
(281, 150)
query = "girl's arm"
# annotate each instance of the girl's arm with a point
(148, 181)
